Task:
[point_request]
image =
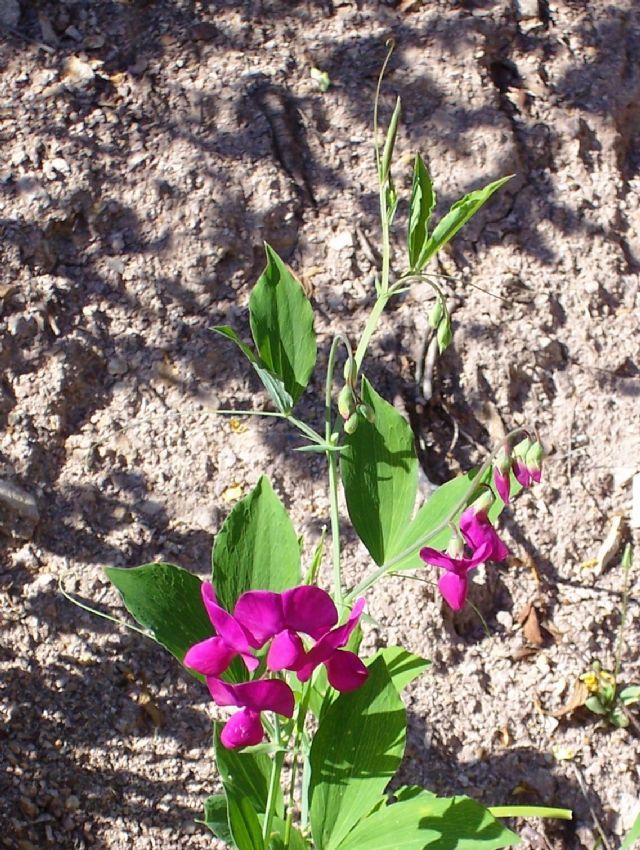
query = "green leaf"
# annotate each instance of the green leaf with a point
(530, 812)
(424, 821)
(594, 705)
(434, 511)
(216, 817)
(630, 694)
(421, 205)
(282, 326)
(243, 823)
(380, 476)
(632, 835)
(166, 600)
(271, 383)
(402, 666)
(355, 752)
(297, 841)
(256, 548)
(457, 217)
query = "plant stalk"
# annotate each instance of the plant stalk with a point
(333, 469)
(274, 784)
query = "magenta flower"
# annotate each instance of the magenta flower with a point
(345, 670)
(527, 462)
(477, 531)
(244, 728)
(212, 656)
(265, 615)
(454, 584)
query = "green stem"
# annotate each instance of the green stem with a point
(333, 468)
(459, 505)
(274, 784)
(626, 566)
(307, 430)
(302, 713)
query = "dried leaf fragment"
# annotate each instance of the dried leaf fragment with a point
(577, 699)
(530, 622)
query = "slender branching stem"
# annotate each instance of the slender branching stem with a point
(333, 466)
(302, 713)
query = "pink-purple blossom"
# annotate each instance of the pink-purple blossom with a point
(477, 530)
(454, 584)
(277, 621)
(244, 728)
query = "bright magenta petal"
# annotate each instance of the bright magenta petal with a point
(244, 729)
(211, 657)
(260, 613)
(286, 652)
(503, 485)
(435, 558)
(309, 609)
(346, 671)
(477, 531)
(454, 590)
(261, 695)
(327, 645)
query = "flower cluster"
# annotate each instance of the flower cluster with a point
(262, 617)
(476, 530)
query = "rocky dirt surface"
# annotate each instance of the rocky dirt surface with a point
(147, 150)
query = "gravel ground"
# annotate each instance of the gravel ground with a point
(147, 150)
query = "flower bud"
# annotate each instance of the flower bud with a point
(367, 412)
(346, 404)
(484, 502)
(502, 473)
(533, 461)
(437, 313)
(455, 547)
(444, 334)
(351, 425)
(350, 371)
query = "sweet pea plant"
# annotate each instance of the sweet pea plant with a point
(315, 733)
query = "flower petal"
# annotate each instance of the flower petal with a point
(435, 558)
(260, 613)
(477, 530)
(231, 631)
(454, 590)
(261, 695)
(286, 652)
(211, 657)
(503, 485)
(244, 729)
(309, 609)
(327, 645)
(521, 472)
(346, 671)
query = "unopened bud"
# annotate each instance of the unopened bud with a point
(350, 371)
(455, 547)
(520, 449)
(437, 313)
(367, 412)
(484, 502)
(351, 425)
(346, 404)
(533, 460)
(444, 334)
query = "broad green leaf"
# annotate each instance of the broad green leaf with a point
(243, 822)
(434, 512)
(256, 548)
(380, 476)
(457, 217)
(246, 774)
(632, 836)
(216, 817)
(166, 600)
(355, 752)
(403, 666)
(630, 694)
(282, 326)
(423, 201)
(423, 821)
(271, 383)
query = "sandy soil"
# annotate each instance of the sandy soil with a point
(147, 150)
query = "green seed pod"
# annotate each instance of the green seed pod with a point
(367, 413)
(437, 313)
(350, 372)
(444, 334)
(346, 404)
(351, 425)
